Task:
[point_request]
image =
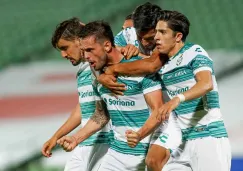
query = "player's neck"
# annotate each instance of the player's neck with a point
(114, 57)
(176, 49)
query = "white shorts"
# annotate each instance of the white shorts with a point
(169, 134)
(203, 154)
(115, 161)
(86, 158)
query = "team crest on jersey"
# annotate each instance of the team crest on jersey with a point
(179, 60)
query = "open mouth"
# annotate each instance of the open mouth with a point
(158, 45)
(92, 64)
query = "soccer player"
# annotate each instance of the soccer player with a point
(142, 35)
(88, 154)
(130, 114)
(192, 92)
(128, 22)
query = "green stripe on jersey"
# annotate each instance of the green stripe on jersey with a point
(212, 100)
(88, 109)
(201, 61)
(190, 106)
(214, 129)
(209, 101)
(100, 137)
(84, 78)
(177, 75)
(134, 118)
(133, 87)
(122, 147)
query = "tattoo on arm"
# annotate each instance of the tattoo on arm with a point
(101, 115)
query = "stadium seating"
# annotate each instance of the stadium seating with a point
(215, 24)
(27, 25)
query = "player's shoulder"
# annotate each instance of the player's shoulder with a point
(126, 36)
(194, 50)
(83, 67)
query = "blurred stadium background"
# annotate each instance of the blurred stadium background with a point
(38, 88)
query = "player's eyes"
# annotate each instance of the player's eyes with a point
(88, 50)
(149, 38)
(63, 48)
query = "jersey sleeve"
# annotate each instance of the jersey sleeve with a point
(201, 61)
(151, 83)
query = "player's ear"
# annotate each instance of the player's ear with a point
(107, 46)
(178, 36)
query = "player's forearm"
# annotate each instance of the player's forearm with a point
(139, 67)
(72, 122)
(150, 125)
(88, 130)
(198, 90)
(97, 121)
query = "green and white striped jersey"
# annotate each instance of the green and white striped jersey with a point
(200, 117)
(87, 104)
(129, 112)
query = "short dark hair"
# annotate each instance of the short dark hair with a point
(145, 17)
(129, 17)
(100, 29)
(176, 21)
(68, 30)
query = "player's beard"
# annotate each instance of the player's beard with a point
(103, 63)
(146, 50)
(77, 62)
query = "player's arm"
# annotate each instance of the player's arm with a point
(154, 101)
(203, 86)
(72, 122)
(151, 86)
(139, 67)
(202, 68)
(98, 120)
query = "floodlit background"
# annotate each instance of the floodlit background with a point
(38, 88)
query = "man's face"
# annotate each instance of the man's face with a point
(94, 52)
(70, 50)
(127, 23)
(147, 39)
(165, 38)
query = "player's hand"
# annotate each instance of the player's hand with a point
(48, 146)
(133, 138)
(167, 108)
(129, 51)
(109, 81)
(68, 143)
